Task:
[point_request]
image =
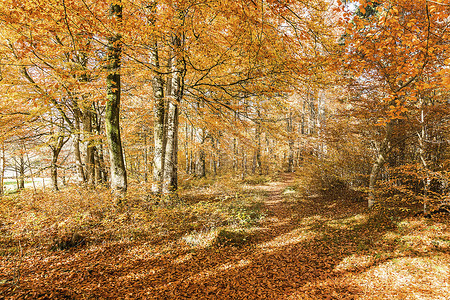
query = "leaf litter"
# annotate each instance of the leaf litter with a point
(316, 247)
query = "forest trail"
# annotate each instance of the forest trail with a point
(306, 247)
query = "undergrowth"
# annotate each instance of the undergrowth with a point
(216, 225)
(76, 217)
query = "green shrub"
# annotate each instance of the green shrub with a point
(257, 179)
(232, 238)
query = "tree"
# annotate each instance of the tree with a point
(394, 49)
(112, 121)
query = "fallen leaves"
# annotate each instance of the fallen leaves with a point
(303, 250)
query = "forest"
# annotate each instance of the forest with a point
(224, 149)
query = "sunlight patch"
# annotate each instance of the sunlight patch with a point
(354, 262)
(240, 264)
(278, 221)
(347, 223)
(132, 276)
(312, 220)
(203, 238)
(427, 277)
(294, 237)
(182, 258)
(204, 275)
(338, 224)
(145, 251)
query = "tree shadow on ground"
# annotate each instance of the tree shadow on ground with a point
(298, 253)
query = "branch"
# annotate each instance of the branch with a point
(52, 100)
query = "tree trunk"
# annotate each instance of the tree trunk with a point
(145, 157)
(64, 178)
(378, 164)
(201, 157)
(89, 162)
(98, 171)
(312, 113)
(174, 180)
(258, 149)
(186, 149)
(214, 164)
(303, 121)
(2, 171)
(76, 146)
(54, 172)
(56, 150)
(16, 173)
(290, 131)
(175, 93)
(169, 158)
(235, 155)
(158, 127)
(30, 168)
(21, 172)
(422, 137)
(201, 164)
(385, 147)
(118, 170)
(244, 164)
(214, 154)
(101, 174)
(101, 159)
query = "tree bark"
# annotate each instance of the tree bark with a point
(101, 160)
(145, 157)
(186, 149)
(378, 164)
(170, 152)
(2, 171)
(54, 172)
(235, 155)
(56, 150)
(174, 179)
(158, 127)
(201, 159)
(214, 154)
(89, 161)
(101, 174)
(312, 113)
(112, 121)
(201, 164)
(175, 92)
(30, 168)
(244, 164)
(422, 137)
(76, 146)
(21, 181)
(290, 131)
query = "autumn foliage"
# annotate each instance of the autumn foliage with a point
(176, 149)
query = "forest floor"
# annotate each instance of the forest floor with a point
(286, 244)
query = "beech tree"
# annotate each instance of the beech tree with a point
(395, 49)
(118, 171)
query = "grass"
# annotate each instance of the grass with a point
(15, 183)
(257, 179)
(50, 220)
(10, 183)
